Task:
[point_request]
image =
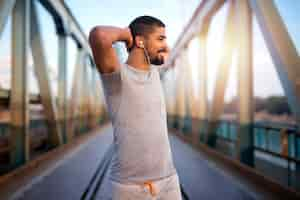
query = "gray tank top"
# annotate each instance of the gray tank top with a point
(137, 109)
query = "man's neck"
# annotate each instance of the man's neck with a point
(138, 60)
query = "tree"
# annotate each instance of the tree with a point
(277, 105)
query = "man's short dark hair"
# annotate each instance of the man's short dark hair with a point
(144, 25)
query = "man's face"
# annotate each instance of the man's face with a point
(156, 46)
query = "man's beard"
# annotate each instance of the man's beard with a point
(157, 61)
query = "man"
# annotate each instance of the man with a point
(142, 164)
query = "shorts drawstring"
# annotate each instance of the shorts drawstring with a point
(151, 187)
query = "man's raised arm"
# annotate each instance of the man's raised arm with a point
(101, 39)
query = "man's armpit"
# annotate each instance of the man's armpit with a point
(111, 82)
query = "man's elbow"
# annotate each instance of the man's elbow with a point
(98, 36)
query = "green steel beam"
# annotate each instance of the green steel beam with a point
(40, 67)
(245, 137)
(19, 134)
(62, 85)
(188, 92)
(74, 99)
(203, 103)
(180, 97)
(6, 8)
(83, 96)
(67, 23)
(217, 105)
(198, 22)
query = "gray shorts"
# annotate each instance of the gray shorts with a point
(163, 189)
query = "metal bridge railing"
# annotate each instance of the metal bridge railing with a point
(273, 141)
(63, 116)
(184, 109)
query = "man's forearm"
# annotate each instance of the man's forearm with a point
(110, 34)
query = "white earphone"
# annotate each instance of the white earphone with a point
(141, 45)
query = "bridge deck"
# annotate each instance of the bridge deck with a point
(76, 175)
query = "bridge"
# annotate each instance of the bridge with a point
(56, 143)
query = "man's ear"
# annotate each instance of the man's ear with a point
(139, 41)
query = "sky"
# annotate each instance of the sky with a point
(175, 14)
